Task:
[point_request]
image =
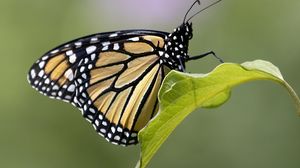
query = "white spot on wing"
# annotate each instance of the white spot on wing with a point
(32, 73)
(79, 81)
(105, 48)
(93, 56)
(97, 123)
(104, 123)
(55, 87)
(105, 43)
(116, 46)
(113, 129)
(161, 53)
(70, 52)
(94, 39)
(68, 97)
(78, 44)
(71, 88)
(72, 58)
(47, 81)
(117, 137)
(41, 73)
(92, 110)
(90, 117)
(134, 39)
(42, 64)
(113, 35)
(54, 51)
(90, 49)
(119, 129)
(82, 69)
(86, 60)
(69, 74)
(103, 130)
(124, 141)
(45, 58)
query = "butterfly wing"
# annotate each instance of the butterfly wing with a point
(53, 74)
(113, 78)
(117, 87)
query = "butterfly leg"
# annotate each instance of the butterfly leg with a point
(204, 55)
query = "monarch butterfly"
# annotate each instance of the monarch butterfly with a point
(114, 77)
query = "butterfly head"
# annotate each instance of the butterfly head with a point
(177, 42)
(176, 46)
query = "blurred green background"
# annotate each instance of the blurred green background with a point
(257, 127)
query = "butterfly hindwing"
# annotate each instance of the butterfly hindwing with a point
(117, 87)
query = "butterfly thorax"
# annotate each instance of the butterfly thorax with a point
(176, 47)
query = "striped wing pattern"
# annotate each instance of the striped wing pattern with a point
(113, 78)
(53, 74)
(117, 88)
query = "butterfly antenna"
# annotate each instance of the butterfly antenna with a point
(197, 1)
(214, 3)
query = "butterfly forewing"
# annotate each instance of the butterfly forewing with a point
(113, 78)
(53, 74)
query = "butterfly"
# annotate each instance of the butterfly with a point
(113, 78)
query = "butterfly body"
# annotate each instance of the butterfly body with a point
(113, 77)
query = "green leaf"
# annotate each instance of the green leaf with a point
(182, 93)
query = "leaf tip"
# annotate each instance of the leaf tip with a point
(264, 66)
